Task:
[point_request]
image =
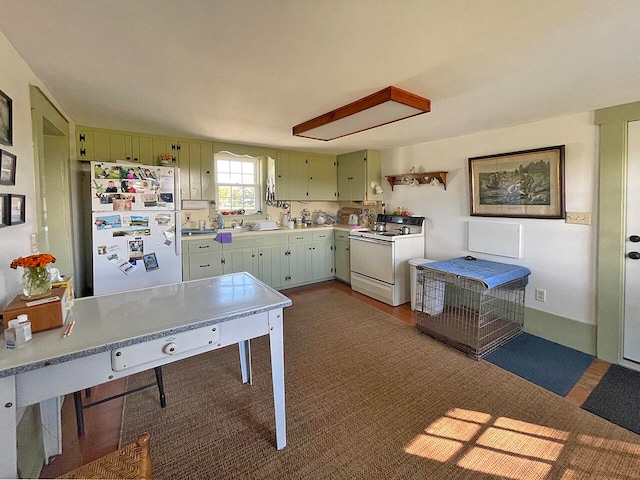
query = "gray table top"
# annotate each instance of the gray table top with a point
(112, 321)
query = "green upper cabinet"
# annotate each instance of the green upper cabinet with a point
(93, 144)
(292, 176)
(305, 176)
(196, 169)
(323, 177)
(111, 146)
(356, 171)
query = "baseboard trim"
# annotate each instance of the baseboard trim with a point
(565, 331)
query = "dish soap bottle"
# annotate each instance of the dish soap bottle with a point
(220, 222)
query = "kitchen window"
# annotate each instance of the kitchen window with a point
(237, 182)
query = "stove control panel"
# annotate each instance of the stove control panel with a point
(401, 220)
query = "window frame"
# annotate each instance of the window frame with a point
(258, 173)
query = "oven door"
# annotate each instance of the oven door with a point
(373, 258)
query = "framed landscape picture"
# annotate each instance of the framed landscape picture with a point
(16, 209)
(529, 183)
(7, 168)
(6, 120)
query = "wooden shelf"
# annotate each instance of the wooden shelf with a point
(423, 178)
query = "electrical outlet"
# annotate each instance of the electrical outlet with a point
(541, 295)
(578, 218)
(187, 217)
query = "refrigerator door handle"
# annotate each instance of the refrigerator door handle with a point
(178, 241)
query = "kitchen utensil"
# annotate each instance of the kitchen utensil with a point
(404, 230)
(379, 227)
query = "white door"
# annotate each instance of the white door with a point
(631, 347)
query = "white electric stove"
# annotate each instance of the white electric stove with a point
(380, 260)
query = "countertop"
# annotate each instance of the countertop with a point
(243, 233)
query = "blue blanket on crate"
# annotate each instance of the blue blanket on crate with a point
(491, 274)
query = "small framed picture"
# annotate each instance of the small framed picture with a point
(16, 209)
(6, 120)
(150, 262)
(4, 210)
(7, 168)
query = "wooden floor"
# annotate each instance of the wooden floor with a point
(102, 422)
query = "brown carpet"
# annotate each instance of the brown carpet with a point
(368, 398)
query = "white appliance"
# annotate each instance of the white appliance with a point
(380, 259)
(135, 226)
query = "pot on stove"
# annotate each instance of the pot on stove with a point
(379, 227)
(404, 230)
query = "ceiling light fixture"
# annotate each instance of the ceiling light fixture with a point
(383, 107)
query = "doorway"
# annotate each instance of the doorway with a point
(52, 181)
(631, 334)
(613, 244)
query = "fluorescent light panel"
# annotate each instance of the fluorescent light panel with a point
(386, 106)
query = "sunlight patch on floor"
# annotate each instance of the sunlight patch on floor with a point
(510, 448)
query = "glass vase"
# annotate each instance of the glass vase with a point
(36, 282)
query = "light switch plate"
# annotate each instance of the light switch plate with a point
(34, 243)
(579, 218)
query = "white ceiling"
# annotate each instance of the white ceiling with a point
(247, 71)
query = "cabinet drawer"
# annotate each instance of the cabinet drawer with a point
(255, 240)
(302, 237)
(323, 236)
(342, 235)
(203, 246)
(204, 266)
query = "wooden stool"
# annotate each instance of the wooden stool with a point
(130, 462)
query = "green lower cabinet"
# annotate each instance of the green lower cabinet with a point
(280, 261)
(201, 259)
(342, 256)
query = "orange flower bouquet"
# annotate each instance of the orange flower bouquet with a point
(36, 280)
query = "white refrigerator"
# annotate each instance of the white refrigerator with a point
(136, 226)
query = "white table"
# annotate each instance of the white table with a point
(121, 334)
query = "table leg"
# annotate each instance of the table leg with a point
(51, 418)
(245, 361)
(276, 345)
(8, 446)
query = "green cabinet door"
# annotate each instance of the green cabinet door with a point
(101, 146)
(195, 159)
(323, 177)
(142, 149)
(342, 257)
(356, 171)
(84, 143)
(292, 176)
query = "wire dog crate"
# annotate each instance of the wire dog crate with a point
(473, 315)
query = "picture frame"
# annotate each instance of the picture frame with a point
(16, 209)
(526, 184)
(4, 210)
(150, 262)
(7, 168)
(6, 119)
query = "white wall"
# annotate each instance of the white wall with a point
(560, 256)
(15, 79)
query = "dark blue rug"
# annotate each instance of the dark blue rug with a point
(617, 398)
(550, 365)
